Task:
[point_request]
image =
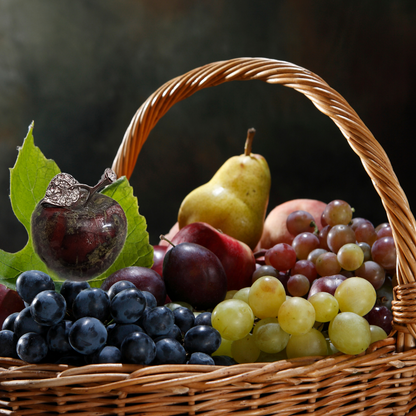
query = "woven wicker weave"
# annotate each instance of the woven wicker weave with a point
(379, 382)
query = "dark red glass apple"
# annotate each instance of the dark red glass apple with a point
(76, 231)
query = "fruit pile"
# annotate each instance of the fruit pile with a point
(82, 325)
(322, 294)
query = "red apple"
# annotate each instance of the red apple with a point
(275, 230)
(158, 256)
(236, 257)
(10, 302)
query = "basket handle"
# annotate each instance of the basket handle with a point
(329, 102)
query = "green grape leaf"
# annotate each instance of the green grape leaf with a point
(29, 179)
(136, 250)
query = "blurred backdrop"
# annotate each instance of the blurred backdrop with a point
(81, 69)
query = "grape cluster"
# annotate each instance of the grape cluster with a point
(329, 291)
(83, 325)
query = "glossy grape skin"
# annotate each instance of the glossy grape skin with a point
(340, 235)
(305, 267)
(298, 285)
(327, 264)
(169, 351)
(264, 270)
(203, 318)
(269, 336)
(93, 302)
(70, 289)
(373, 272)
(202, 338)
(32, 282)
(377, 333)
(138, 348)
(31, 347)
(350, 333)
(325, 305)
(383, 252)
(300, 221)
(337, 212)
(24, 323)
(356, 295)
(87, 335)
(223, 360)
(151, 301)
(281, 256)
(118, 286)
(118, 332)
(384, 230)
(233, 318)
(350, 256)
(48, 308)
(296, 316)
(200, 358)
(381, 316)
(8, 323)
(323, 237)
(158, 321)
(108, 354)
(314, 254)
(242, 294)
(224, 349)
(326, 284)
(266, 296)
(366, 233)
(184, 318)
(304, 243)
(127, 306)
(366, 250)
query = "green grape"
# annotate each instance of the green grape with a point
(242, 294)
(330, 346)
(350, 256)
(296, 316)
(325, 305)
(265, 357)
(350, 333)
(233, 319)
(245, 350)
(377, 333)
(230, 294)
(357, 295)
(266, 296)
(269, 336)
(310, 344)
(224, 348)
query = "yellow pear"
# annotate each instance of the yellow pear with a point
(235, 199)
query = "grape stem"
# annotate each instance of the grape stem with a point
(162, 237)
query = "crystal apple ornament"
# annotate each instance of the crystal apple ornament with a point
(77, 231)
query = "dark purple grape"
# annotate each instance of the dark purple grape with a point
(373, 272)
(380, 316)
(265, 270)
(92, 302)
(383, 252)
(201, 358)
(8, 323)
(158, 321)
(48, 308)
(32, 282)
(174, 333)
(119, 286)
(170, 351)
(151, 301)
(70, 289)
(127, 306)
(24, 323)
(57, 338)
(118, 332)
(223, 360)
(184, 318)
(32, 348)
(202, 338)
(108, 354)
(203, 318)
(8, 341)
(87, 335)
(138, 348)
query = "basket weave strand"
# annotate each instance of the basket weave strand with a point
(380, 382)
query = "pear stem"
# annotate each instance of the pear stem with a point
(249, 141)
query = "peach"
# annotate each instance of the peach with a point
(275, 230)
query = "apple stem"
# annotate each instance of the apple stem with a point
(162, 237)
(249, 141)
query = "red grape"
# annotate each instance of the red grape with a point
(337, 212)
(305, 267)
(298, 285)
(327, 264)
(304, 243)
(373, 272)
(281, 256)
(300, 222)
(383, 252)
(340, 235)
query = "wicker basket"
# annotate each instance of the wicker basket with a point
(379, 382)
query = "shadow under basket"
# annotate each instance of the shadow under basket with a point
(380, 381)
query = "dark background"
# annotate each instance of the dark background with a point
(80, 70)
